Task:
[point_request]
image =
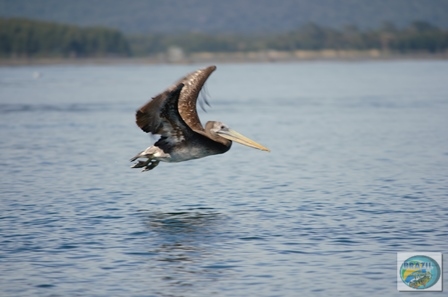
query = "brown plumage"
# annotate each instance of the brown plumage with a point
(172, 114)
(147, 116)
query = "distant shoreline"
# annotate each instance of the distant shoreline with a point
(230, 57)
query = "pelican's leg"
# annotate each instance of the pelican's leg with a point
(151, 165)
(151, 154)
(141, 164)
(137, 156)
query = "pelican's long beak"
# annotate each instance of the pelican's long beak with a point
(237, 137)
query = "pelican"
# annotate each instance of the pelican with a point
(172, 114)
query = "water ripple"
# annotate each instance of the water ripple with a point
(357, 172)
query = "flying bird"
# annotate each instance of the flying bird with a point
(173, 115)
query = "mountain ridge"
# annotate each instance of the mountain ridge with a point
(231, 16)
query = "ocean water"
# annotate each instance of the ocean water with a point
(358, 171)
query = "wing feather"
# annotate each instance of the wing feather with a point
(189, 96)
(148, 117)
(173, 128)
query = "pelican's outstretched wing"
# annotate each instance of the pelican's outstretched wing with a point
(170, 124)
(148, 116)
(189, 95)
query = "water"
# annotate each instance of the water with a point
(358, 171)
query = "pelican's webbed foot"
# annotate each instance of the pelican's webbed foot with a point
(151, 161)
(146, 165)
(152, 164)
(141, 164)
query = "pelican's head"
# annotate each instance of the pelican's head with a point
(222, 130)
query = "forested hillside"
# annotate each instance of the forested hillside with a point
(28, 38)
(416, 38)
(229, 16)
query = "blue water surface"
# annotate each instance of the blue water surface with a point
(358, 171)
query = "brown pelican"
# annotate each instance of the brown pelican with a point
(173, 115)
